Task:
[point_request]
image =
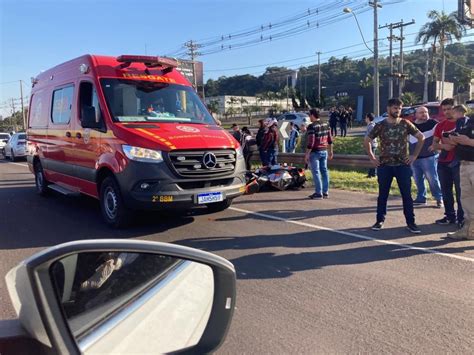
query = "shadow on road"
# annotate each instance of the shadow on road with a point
(28, 220)
(267, 265)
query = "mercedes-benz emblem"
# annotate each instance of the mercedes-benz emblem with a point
(209, 160)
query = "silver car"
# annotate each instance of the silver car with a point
(298, 118)
(16, 147)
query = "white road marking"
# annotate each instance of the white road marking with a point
(21, 164)
(355, 235)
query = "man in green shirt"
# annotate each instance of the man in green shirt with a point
(394, 161)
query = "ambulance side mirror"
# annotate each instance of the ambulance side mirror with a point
(115, 296)
(89, 117)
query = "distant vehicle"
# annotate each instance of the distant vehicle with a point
(298, 118)
(16, 147)
(470, 104)
(4, 138)
(408, 113)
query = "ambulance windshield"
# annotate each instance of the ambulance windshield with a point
(148, 101)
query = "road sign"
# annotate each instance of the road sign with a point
(284, 129)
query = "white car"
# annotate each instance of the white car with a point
(298, 118)
(4, 138)
(16, 147)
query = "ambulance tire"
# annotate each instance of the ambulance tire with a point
(219, 206)
(113, 209)
(40, 180)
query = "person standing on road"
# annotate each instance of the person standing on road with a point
(463, 138)
(369, 120)
(343, 116)
(448, 166)
(394, 161)
(425, 166)
(293, 139)
(318, 151)
(333, 115)
(249, 146)
(269, 146)
(236, 133)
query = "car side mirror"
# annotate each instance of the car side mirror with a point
(115, 296)
(88, 117)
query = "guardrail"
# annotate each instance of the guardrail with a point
(357, 161)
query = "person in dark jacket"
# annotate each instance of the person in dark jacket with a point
(333, 118)
(343, 116)
(249, 146)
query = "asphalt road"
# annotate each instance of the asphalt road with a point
(312, 277)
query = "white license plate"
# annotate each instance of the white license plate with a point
(210, 197)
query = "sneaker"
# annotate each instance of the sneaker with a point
(462, 233)
(377, 226)
(461, 224)
(419, 202)
(316, 196)
(439, 204)
(326, 195)
(412, 227)
(445, 221)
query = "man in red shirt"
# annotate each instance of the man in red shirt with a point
(448, 166)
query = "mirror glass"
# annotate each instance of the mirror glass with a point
(126, 302)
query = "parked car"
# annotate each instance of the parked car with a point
(409, 113)
(4, 138)
(16, 147)
(298, 118)
(119, 297)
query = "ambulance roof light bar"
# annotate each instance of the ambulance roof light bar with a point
(148, 60)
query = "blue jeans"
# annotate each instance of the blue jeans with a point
(318, 162)
(426, 168)
(449, 176)
(385, 175)
(269, 157)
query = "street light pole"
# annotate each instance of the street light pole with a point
(319, 79)
(375, 5)
(376, 59)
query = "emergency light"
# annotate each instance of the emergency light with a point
(149, 61)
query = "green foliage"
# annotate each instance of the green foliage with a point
(348, 145)
(344, 74)
(410, 98)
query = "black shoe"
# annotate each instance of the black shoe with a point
(439, 204)
(326, 195)
(377, 226)
(445, 221)
(419, 202)
(316, 196)
(461, 224)
(412, 227)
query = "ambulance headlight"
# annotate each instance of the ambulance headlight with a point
(142, 154)
(240, 154)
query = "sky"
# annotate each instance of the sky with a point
(36, 35)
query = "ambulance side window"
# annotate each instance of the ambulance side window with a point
(88, 97)
(62, 105)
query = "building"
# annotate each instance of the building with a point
(239, 103)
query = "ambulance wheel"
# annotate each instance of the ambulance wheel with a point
(40, 180)
(219, 206)
(114, 211)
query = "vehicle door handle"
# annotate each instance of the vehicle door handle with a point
(68, 134)
(78, 135)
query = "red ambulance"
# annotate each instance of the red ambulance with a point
(132, 132)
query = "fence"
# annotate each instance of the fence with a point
(355, 161)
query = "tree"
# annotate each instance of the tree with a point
(213, 106)
(442, 28)
(410, 98)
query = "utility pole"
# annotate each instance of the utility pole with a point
(400, 64)
(192, 47)
(319, 79)
(287, 76)
(391, 38)
(376, 5)
(13, 113)
(425, 86)
(22, 106)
